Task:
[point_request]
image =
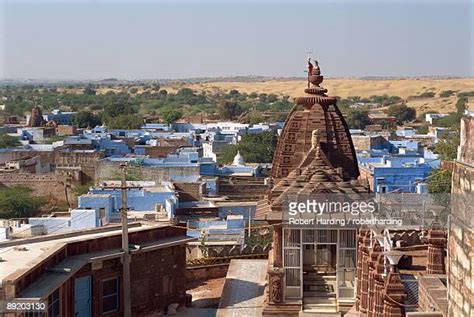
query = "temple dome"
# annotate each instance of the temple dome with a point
(315, 111)
(238, 159)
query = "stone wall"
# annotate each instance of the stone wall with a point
(432, 294)
(461, 232)
(367, 142)
(86, 160)
(189, 191)
(202, 273)
(50, 185)
(106, 170)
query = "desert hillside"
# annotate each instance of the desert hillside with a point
(404, 88)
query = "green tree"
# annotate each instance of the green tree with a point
(229, 110)
(422, 130)
(116, 105)
(228, 153)
(439, 186)
(85, 119)
(447, 146)
(171, 115)
(125, 121)
(185, 93)
(255, 118)
(8, 141)
(18, 202)
(89, 90)
(255, 148)
(402, 112)
(357, 119)
(272, 98)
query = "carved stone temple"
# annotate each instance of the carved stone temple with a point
(330, 270)
(314, 155)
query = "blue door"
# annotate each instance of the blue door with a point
(82, 297)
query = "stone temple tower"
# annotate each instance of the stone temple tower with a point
(314, 156)
(314, 111)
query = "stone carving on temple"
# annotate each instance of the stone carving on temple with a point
(276, 285)
(437, 241)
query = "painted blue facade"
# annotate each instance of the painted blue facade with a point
(96, 202)
(402, 173)
(62, 118)
(138, 200)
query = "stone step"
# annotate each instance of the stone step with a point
(319, 301)
(317, 287)
(315, 283)
(323, 293)
(319, 309)
(315, 314)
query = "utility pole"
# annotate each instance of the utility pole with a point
(250, 217)
(127, 307)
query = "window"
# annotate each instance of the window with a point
(54, 304)
(167, 282)
(110, 295)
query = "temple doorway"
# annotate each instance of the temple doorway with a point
(319, 265)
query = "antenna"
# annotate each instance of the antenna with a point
(309, 52)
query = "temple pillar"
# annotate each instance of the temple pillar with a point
(276, 285)
(436, 247)
(379, 286)
(360, 238)
(364, 284)
(277, 245)
(373, 256)
(394, 295)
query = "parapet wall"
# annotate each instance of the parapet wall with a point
(49, 185)
(107, 170)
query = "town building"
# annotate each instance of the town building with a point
(80, 273)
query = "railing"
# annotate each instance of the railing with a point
(223, 260)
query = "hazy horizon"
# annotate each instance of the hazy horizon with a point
(93, 40)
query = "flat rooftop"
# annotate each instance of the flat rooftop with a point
(23, 254)
(243, 292)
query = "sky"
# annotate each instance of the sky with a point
(96, 39)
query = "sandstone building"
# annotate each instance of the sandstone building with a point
(461, 232)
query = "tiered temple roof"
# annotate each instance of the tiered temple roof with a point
(314, 154)
(315, 111)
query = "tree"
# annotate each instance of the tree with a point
(255, 118)
(86, 119)
(125, 121)
(357, 119)
(18, 202)
(229, 110)
(272, 98)
(422, 130)
(255, 148)
(439, 185)
(8, 141)
(89, 90)
(185, 93)
(447, 146)
(171, 115)
(116, 105)
(402, 112)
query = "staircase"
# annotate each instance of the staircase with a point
(319, 294)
